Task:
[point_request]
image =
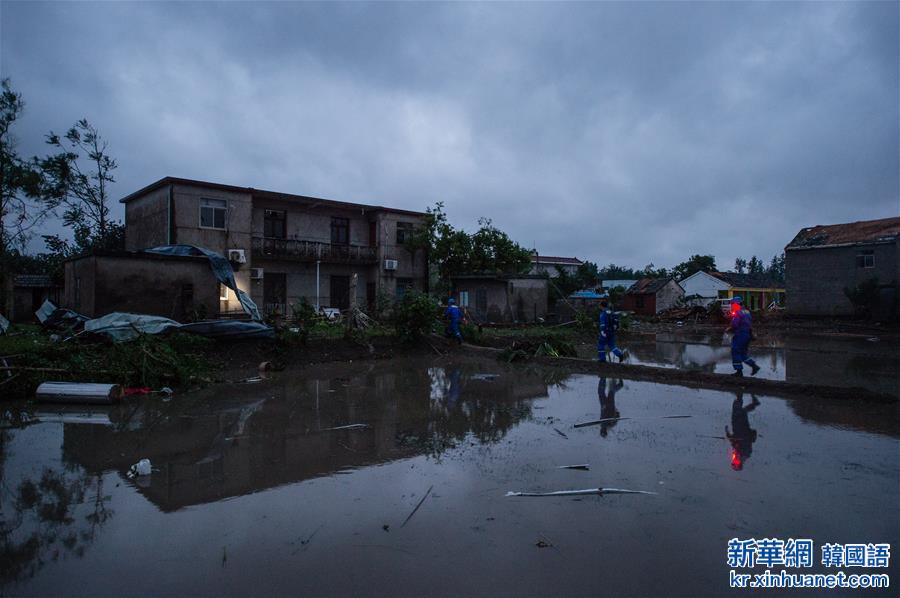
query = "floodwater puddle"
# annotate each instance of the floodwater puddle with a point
(844, 362)
(390, 478)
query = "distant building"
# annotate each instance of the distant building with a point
(284, 247)
(703, 288)
(613, 283)
(758, 291)
(493, 298)
(550, 265)
(821, 261)
(649, 296)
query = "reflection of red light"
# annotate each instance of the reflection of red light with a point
(736, 463)
(735, 308)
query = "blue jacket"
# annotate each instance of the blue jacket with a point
(453, 313)
(608, 322)
(741, 322)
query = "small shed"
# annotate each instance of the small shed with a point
(649, 296)
(28, 293)
(502, 298)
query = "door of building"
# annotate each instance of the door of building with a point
(370, 298)
(275, 292)
(340, 292)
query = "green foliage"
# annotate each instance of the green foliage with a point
(304, 313)
(755, 266)
(775, 269)
(77, 178)
(549, 346)
(472, 334)
(415, 316)
(865, 297)
(453, 252)
(694, 264)
(149, 360)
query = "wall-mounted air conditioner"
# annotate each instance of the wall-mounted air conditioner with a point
(237, 256)
(390, 264)
(256, 273)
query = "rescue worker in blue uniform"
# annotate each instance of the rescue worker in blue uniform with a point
(741, 329)
(608, 324)
(453, 315)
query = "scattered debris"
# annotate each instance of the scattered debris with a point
(558, 431)
(589, 491)
(4, 324)
(251, 380)
(224, 556)
(78, 392)
(873, 339)
(141, 468)
(386, 527)
(485, 377)
(543, 544)
(417, 506)
(583, 467)
(347, 427)
(615, 419)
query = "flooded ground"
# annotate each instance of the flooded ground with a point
(254, 492)
(803, 359)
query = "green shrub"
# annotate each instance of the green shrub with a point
(415, 316)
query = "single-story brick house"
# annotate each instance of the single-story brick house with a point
(649, 296)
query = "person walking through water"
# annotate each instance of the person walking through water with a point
(741, 329)
(742, 436)
(453, 315)
(608, 324)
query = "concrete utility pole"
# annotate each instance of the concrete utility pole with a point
(317, 285)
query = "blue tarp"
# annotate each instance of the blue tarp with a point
(221, 267)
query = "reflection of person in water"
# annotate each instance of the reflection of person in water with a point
(607, 398)
(743, 436)
(454, 390)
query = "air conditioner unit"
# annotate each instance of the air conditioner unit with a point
(256, 273)
(237, 256)
(390, 264)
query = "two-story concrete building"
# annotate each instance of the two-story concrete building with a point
(284, 247)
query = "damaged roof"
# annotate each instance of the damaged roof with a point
(748, 281)
(865, 232)
(648, 286)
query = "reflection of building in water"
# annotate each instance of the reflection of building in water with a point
(249, 441)
(842, 363)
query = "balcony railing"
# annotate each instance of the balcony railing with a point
(310, 251)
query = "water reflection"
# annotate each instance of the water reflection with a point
(741, 436)
(606, 392)
(254, 437)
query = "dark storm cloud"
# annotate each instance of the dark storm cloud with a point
(615, 132)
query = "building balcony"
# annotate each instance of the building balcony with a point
(311, 251)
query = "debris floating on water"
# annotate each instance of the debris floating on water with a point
(584, 467)
(141, 468)
(561, 433)
(417, 506)
(595, 422)
(78, 392)
(347, 427)
(589, 491)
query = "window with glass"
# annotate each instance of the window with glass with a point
(404, 232)
(275, 224)
(865, 259)
(213, 213)
(340, 231)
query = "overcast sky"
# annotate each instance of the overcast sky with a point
(623, 133)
